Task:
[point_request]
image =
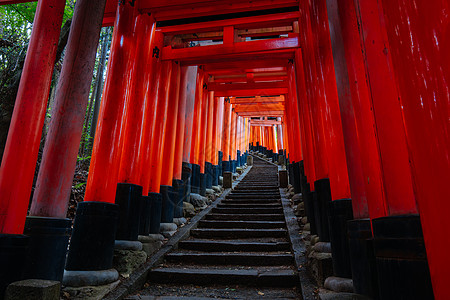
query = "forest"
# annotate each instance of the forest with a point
(16, 24)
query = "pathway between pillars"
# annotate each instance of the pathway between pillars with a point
(240, 250)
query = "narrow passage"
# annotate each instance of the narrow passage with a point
(240, 250)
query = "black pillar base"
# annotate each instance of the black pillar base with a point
(155, 212)
(195, 179)
(401, 258)
(215, 172)
(220, 164)
(296, 177)
(48, 246)
(226, 166)
(364, 270)
(309, 209)
(340, 212)
(233, 166)
(168, 203)
(178, 186)
(129, 198)
(323, 193)
(92, 242)
(238, 161)
(13, 254)
(209, 174)
(202, 184)
(145, 214)
(290, 169)
(186, 177)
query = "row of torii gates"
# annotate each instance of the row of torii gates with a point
(356, 90)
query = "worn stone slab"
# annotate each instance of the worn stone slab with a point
(33, 289)
(127, 245)
(89, 278)
(126, 261)
(240, 259)
(227, 180)
(231, 246)
(89, 292)
(338, 284)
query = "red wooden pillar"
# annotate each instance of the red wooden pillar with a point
(220, 125)
(160, 127)
(355, 99)
(170, 132)
(203, 130)
(337, 164)
(348, 115)
(104, 168)
(233, 133)
(312, 101)
(226, 139)
(152, 72)
(418, 34)
(135, 105)
(184, 118)
(209, 145)
(196, 127)
(305, 119)
(294, 114)
(394, 154)
(24, 136)
(54, 182)
(190, 112)
(216, 130)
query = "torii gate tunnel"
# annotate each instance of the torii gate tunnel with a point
(353, 93)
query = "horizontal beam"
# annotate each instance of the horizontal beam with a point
(261, 114)
(264, 122)
(248, 22)
(251, 93)
(255, 100)
(259, 107)
(221, 87)
(241, 49)
(163, 10)
(5, 2)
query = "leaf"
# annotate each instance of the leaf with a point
(261, 293)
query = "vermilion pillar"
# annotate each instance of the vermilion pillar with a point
(209, 146)
(233, 133)
(190, 111)
(226, 130)
(348, 115)
(328, 99)
(394, 154)
(104, 168)
(24, 136)
(54, 182)
(203, 131)
(184, 118)
(160, 127)
(418, 33)
(170, 134)
(216, 129)
(196, 130)
(152, 72)
(135, 105)
(294, 115)
(305, 119)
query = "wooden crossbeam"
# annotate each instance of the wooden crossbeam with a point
(257, 100)
(274, 20)
(264, 122)
(221, 87)
(251, 93)
(268, 113)
(242, 49)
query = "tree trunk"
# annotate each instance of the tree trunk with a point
(98, 94)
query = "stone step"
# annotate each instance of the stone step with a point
(247, 210)
(251, 201)
(251, 196)
(240, 259)
(246, 217)
(233, 245)
(269, 277)
(249, 205)
(227, 233)
(241, 224)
